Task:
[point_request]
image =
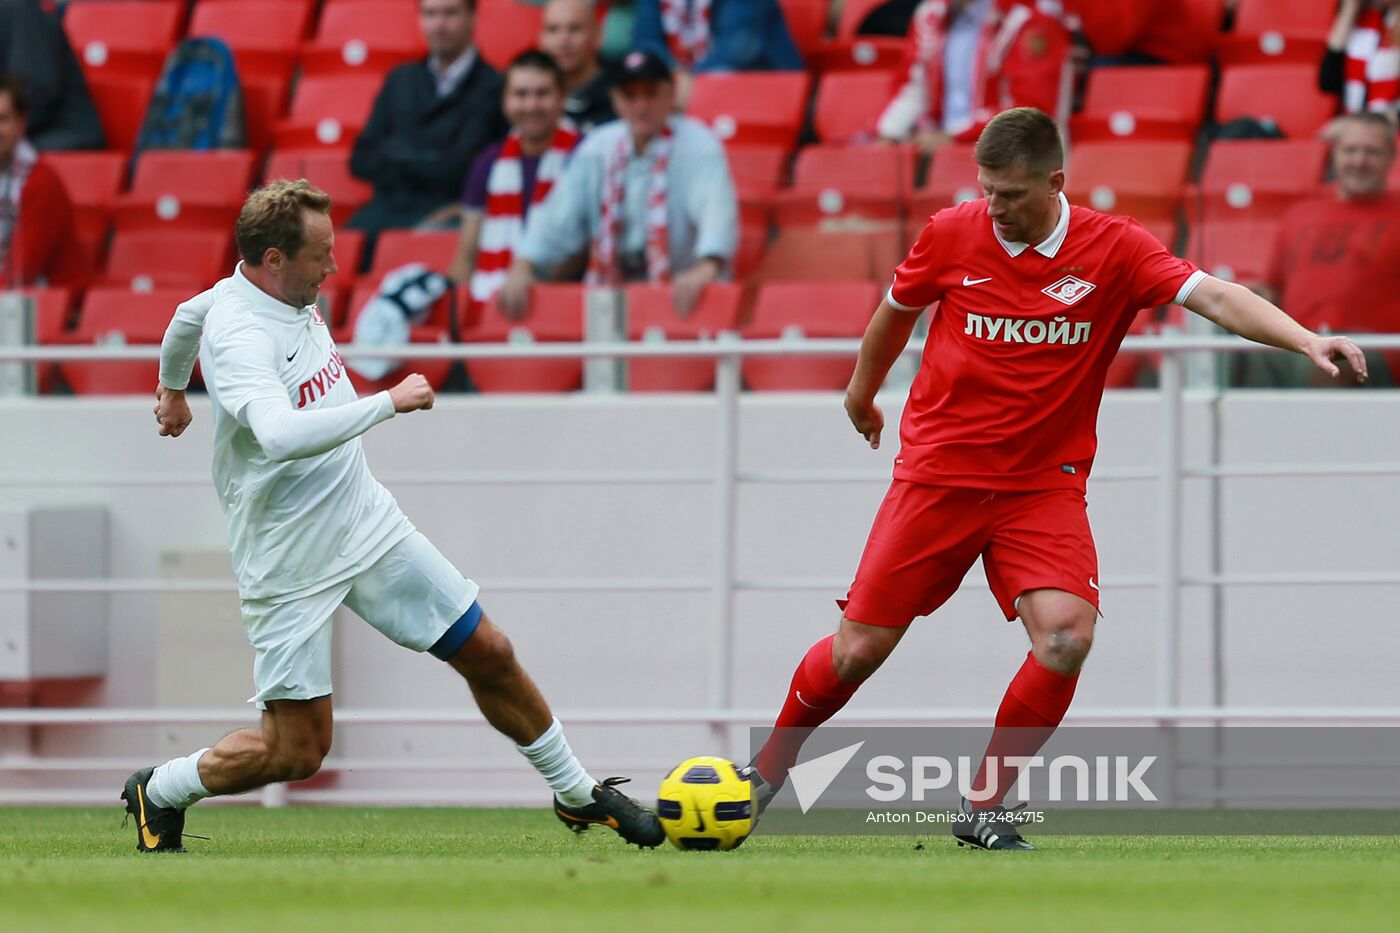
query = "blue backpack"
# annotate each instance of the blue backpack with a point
(198, 103)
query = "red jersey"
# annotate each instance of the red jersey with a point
(1337, 263)
(1013, 371)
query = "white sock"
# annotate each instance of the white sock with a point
(176, 783)
(555, 761)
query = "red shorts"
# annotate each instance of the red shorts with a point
(926, 538)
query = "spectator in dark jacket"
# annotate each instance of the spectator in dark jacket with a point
(430, 120)
(34, 48)
(569, 34)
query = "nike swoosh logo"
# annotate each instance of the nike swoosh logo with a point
(294, 353)
(804, 702)
(610, 822)
(699, 822)
(968, 281)
(150, 839)
(1092, 583)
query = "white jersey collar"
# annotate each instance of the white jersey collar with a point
(263, 299)
(1047, 247)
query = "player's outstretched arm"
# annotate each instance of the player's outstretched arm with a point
(885, 338)
(1240, 311)
(178, 351)
(287, 434)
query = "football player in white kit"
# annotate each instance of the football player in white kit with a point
(310, 528)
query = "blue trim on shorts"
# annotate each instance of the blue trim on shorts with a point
(455, 637)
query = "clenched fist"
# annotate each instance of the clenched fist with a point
(412, 394)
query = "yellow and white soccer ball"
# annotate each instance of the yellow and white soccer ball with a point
(704, 803)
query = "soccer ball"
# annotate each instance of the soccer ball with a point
(705, 803)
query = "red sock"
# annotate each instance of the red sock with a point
(815, 696)
(1033, 706)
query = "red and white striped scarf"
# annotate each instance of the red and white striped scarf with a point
(603, 266)
(686, 24)
(1373, 62)
(504, 222)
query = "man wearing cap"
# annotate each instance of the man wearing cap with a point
(647, 198)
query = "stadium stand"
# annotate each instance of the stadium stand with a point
(1143, 103)
(92, 180)
(127, 37)
(1287, 95)
(327, 169)
(763, 108)
(192, 260)
(555, 316)
(435, 249)
(1277, 31)
(757, 172)
(651, 318)
(50, 327)
(848, 103)
(1259, 178)
(1143, 179)
(177, 189)
(119, 315)
(851, 51)
(369, 36)
(121, 101)
(806, 22)
(812, 255)
(433, 330)
(951, 179)
(328, 110)
(834, 184)
(800, 309)
(1238, 249)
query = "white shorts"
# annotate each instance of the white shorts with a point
(412, 594)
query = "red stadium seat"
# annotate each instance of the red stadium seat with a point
(850, 51)
(192, 260)
(92, 180)
(799, 309)
(397, 248)
(757, 172)
(1234, 249)
(128, 37)
(753, 240)
(327, 169)
(1277, 31)
(264, 35)
(806, 22)
(834, 184)
(328, 110)
(369, 36)
(1143, 179)
(811, 255)
(952, 179)
(121, 101)
(652, 318)
(1260, 178)
(1141, 103)
(50, 327)
(174, 188)
(848, 104)
(121, 316)
(751, 108)
(264, 104)
(1285, 94)
(433, 330)
(505, 28)
(555, 316)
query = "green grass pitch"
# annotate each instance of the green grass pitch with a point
(404, 870)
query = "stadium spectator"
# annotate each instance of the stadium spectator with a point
(1336, 265)
(966, 61)
(36, 217)
(646, 198)
(431, 119)
(511, 176)
(570, 35)
(716, 35)
(1362, 62)
(34, 48)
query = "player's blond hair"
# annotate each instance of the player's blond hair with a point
(1022, 135)
(272, 218)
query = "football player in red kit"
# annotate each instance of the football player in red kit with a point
(997, 439)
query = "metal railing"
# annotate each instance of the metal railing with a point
(726, 580)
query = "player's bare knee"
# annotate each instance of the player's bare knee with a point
(298, 764)
(858, 657)
(1064, 646)
(488, 657)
